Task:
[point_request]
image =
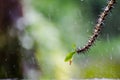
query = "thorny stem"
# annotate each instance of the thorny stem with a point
(98, 27)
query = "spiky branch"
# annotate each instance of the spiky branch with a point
(98, 27)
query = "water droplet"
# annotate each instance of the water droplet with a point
(107, 8)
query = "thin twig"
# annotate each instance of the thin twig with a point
(98, 27)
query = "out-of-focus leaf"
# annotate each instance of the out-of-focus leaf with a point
(74, 46)
(69, 56)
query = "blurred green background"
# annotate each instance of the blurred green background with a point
(55, 25)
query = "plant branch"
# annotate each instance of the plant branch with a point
(98, 27)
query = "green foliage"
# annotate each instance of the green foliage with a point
(73, 22)
(69, 56)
